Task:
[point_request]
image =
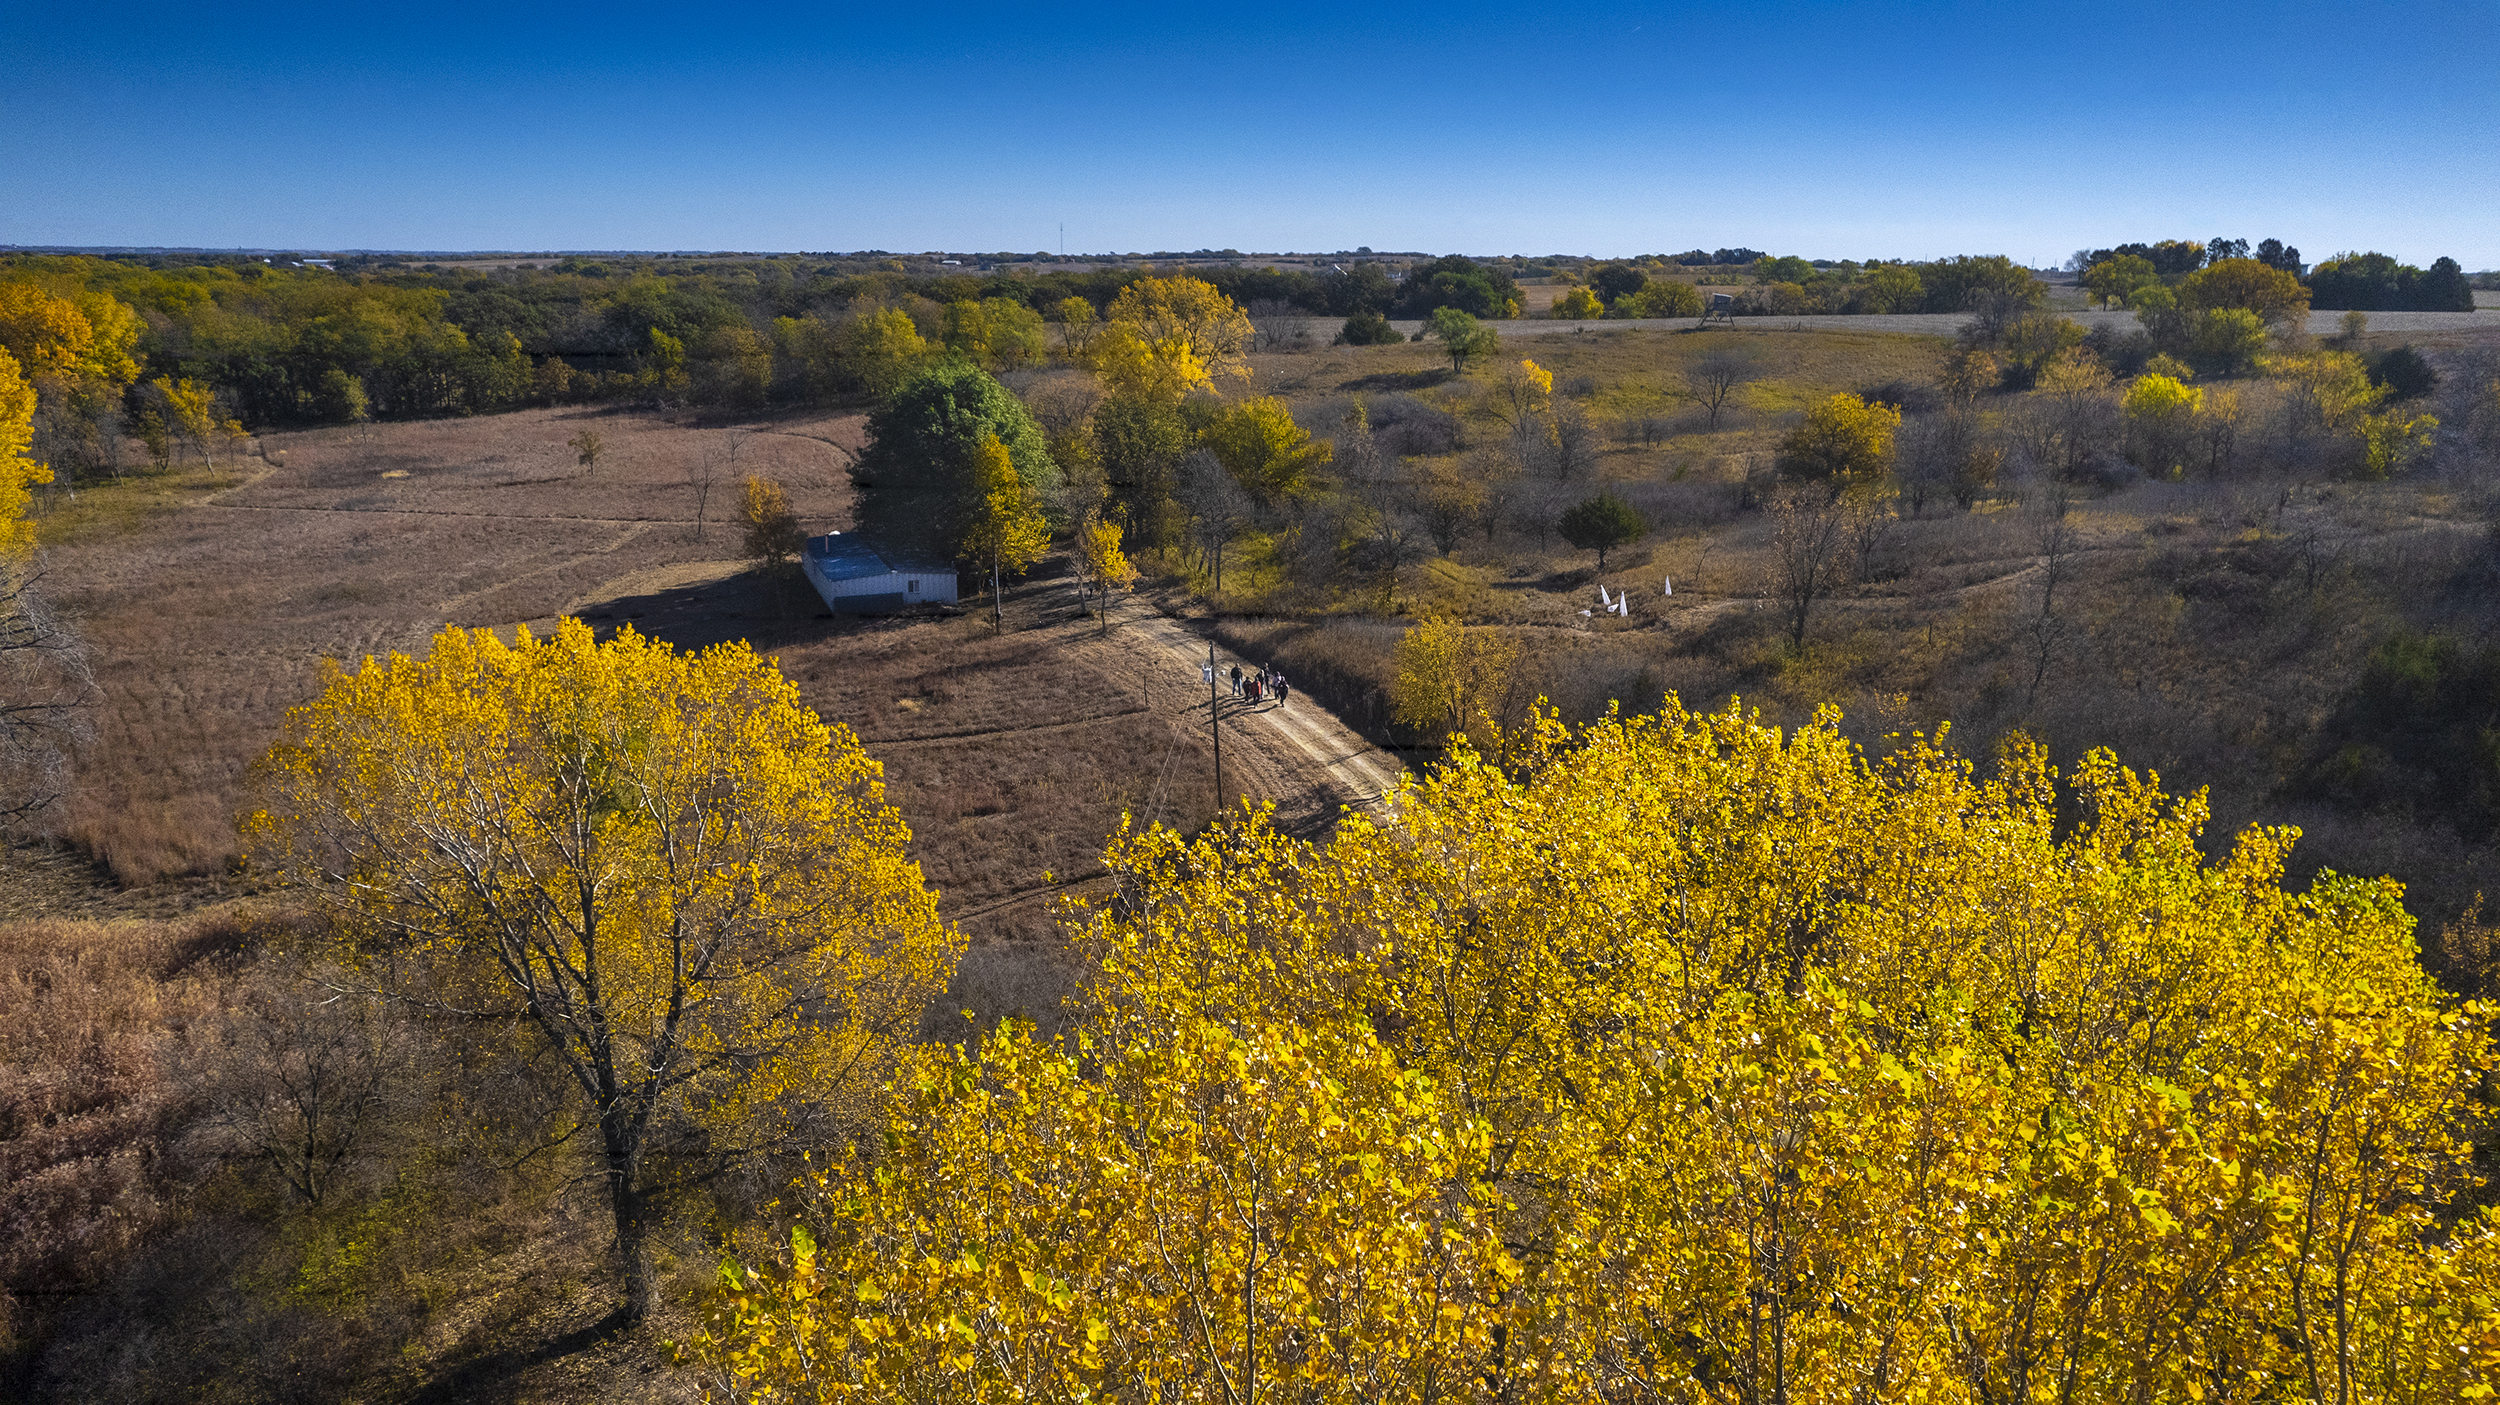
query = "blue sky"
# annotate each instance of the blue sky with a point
(1829, 130)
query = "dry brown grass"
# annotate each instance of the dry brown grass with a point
(106, 1027)
(2213, 624)
(209, 602)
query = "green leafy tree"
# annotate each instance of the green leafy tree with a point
(1967, 282)
(1667, 297)
(1461, 283)
(2114, 280)
(2228, 341)
(1462, 337)
(916, 475)
(1602, 523)
(588, 448)
(1616, 280)
(1370, 328)
(2404, 372)
(1891, 287)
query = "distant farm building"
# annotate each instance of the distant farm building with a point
(854, 577)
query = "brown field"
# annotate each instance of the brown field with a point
(2213, 624)
(212, 600)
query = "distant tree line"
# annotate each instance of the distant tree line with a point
(2344, 283)
(281, 344)
(1788, 286)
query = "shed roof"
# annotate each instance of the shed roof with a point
(841, 556)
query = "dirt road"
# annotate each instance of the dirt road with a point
(1297, 736)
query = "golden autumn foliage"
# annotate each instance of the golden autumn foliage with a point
(1007, 530)
(88, 336)
(1578, 304)
(1165, 337)
(19, 474)
(1264, 450)
(1681, 1060)
(773, 535)
(1450, 677)
(659, 870)
(1100, 563)
(1844, 441)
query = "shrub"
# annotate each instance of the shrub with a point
(1368, 328)
(1601, 523)
(1578, 305)
(1844, 441)
(2404, 373)
(2414, 732)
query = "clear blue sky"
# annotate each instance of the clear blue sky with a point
(1830, 130)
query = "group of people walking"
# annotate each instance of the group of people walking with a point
(1260, 685)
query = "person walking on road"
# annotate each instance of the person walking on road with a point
(1282, 689)
(1236, 680)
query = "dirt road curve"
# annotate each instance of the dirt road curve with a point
(1360, 773)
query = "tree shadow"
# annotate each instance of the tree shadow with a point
(1401, 380)
(499, 1376)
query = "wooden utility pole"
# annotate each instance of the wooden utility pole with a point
(1215, 728)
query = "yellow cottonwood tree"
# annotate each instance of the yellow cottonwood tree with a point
(1197, 1212)
(1007, 529)
(1578, 304)
(1100, 562)
(1165, 337)
(660, 869)
(1449, 676)
(19, 474)
(1778, 1073)
(1264, 450)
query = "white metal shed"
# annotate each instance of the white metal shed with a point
(854, 577)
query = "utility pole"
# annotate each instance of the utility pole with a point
(1215, 728)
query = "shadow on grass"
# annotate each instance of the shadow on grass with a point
(1401, 380)
(766, 609)
(499, 1377)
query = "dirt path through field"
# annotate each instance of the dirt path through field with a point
(1298, 735)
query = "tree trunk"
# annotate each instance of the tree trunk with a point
(628, 1203)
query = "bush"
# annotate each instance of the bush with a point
(1601, 523)
(2414, 733)
(1368, 328)
(1843, 441)
(2404, 372)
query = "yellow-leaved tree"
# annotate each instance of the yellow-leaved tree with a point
(1743, 1066)
(1007, 529)
(1845, 442)
(1578, 304)
(19, 474)
(1101, 564)
(660, 869)
(2161, 417)
(1162, 338)
(1264, 450)
(1450, 677)
(773, 535)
